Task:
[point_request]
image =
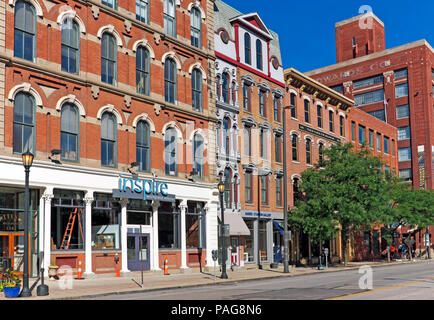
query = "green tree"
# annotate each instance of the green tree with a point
(347, 190)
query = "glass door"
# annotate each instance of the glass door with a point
(138, 252)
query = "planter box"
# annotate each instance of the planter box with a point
(11, 292)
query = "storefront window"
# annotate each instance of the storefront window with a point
(139, 212)
(67, 207)
(105, 222)
(249, 245)
(168, 226)
(195, 225)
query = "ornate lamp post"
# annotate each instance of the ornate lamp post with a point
(221, 187)
(27, 158)
(285, 199)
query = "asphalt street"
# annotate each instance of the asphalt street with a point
(413, 281)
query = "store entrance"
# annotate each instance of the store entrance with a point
(138, 251)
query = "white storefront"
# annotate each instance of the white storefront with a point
(48, 180)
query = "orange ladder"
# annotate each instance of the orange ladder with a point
(70, 227)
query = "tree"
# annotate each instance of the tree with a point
(347, 190)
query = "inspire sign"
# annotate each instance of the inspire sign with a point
(143, 190)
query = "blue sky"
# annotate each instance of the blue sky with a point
(306, 28)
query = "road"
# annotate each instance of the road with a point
(396, 282)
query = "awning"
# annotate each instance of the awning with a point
(237, 226)
(279, 227)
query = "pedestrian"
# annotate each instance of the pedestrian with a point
(392, 251)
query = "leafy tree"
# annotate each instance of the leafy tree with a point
(347, 190)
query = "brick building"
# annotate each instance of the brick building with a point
(250, 92)
(395, 85)
(317, 118)
(114, 99)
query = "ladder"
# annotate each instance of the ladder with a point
(70, 227)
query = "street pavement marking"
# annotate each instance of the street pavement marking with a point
(405, 284)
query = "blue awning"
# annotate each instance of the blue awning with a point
(278, 226)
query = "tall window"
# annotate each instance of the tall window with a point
(226, 135)
(170, 17)
(196, 86)
(319, 115)
(108, 140)
(362, 133)
(70, 46)
(308, 151)
(246, 97)
(378, 142)
(371, 138)
(279, 191)
(404, 154)
(171, 152)
(248, 141)
(247, 49)
(293, 107)
(217, 87)
(170, 80)
(277, 148)
(276, 107)
(108, 59)
(264, 189)
(142, 10)
(225, 88)
(24, 123)
(143, 70)
(196, 28)
(228, 189)
(402, 111)
(386, 145)
(198, 155)
(320, 152)
(25, 31)
(110, 3)
(404, 133)
(262, 103)
(342, 126)
(401, 90)
(353, 131)
(143, 146)
(262, 141)
(331, 121)
(248, 187)
(69, 129)
(259, 54)
(294, 146)
(306, 111)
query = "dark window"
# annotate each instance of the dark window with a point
(264, 189)
(171, 152)
(143, 70)
(319, 115)
(198, 155)
(226, 135)
(170, 80)
(70, 46)
(276, 107)
(196, 28)
(24, 123)
(277, 148)
(248, 187)
(169, 226)
(308, 151)
(247, 99)
(142, 10)
(294, 145)
(25, 31)
(331, 121)
(106, 227)
(279, 191)
(293, 106)
(110, 3)
(170, 17)
(306, 111)
(143, 146)
(225, 88)
(196, 85)
(108, 140)
(262, 103)
(228, 188)
(379, 114)
(69, 129)
(259, 54)
(247, 49)
(342, 126)
(108, 59)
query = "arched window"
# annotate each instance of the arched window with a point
(321, 152)
(170, 80)
(247, 49)
(319, 115)
(69, 132)
(170, 17)
(143, 146)
(25, 31)
(306, 111)
(108, 59)
(108, 140)
(276, 107)
(225, 88)
(296, 189)
(226, 135)
(308, 151)
(294, 145)
(217, 86)
(331, 121)
(259, 54)
(228, 188)
(143, 70)
(24, 123)
(70, 46)
(196, 28)
(196, 86)
(342, 126)
(171, 152)
(142, 10)
(198, 155)
(277, 148)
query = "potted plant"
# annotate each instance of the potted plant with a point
(52, 270)
(11, 284)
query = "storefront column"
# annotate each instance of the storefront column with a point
(255, 240)
(124, 230)
(211, 231)
(46, 232)
(183, 208)
(155, 252)
(88, 199)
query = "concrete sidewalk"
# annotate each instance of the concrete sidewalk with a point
(104, 284)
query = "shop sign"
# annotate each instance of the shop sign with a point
(143, 190)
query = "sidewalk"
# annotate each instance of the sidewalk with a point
(104, 284)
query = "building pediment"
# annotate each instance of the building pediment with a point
(254, 21)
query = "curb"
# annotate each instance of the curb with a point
(396, 263)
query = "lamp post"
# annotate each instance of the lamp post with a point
(285, 199)
(221, 187)
(259, 215)
(27, 158)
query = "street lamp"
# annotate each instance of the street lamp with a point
(285, 199)
(27, 158)
(221, 187)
